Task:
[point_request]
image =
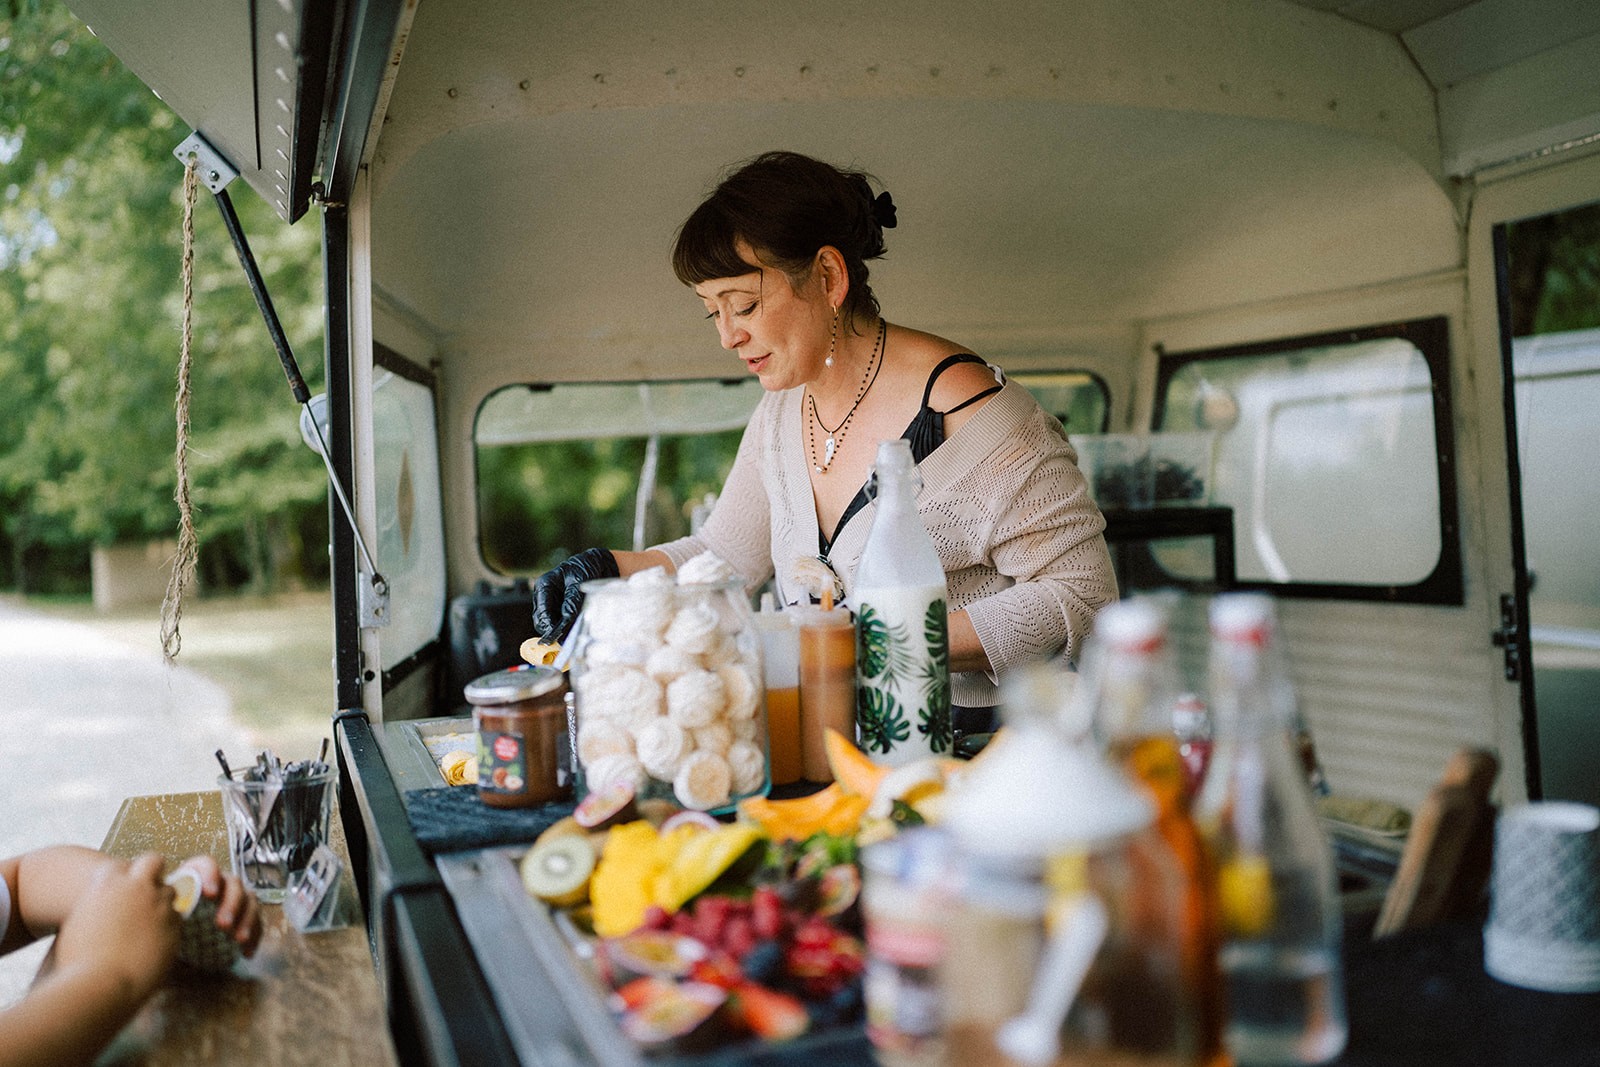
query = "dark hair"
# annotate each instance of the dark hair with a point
(786, 206)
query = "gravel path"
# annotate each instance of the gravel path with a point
(84, 722)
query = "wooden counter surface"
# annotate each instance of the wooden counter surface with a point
(308, 999)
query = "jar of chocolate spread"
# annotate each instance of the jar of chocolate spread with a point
(521, 718)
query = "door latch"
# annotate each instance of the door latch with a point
(1507, 637)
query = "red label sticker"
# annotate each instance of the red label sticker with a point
(505, 747)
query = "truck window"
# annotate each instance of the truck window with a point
(1078, 399)
(561, 468)
(1332, 452)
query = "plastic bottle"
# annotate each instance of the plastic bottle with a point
(780, 659)
(902, 625)
(1275, 874)
(1130, 691)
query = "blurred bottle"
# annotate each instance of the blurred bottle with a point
(1275, 874)
(1131, 691)
(902, 624)
(701, 512)
(1191, 725)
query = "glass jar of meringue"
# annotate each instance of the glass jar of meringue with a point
(669, 695)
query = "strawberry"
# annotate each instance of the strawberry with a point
(711, 916)
(766, 913)
(769, 1014)
(739, 935)
(657, 918)
(814, 932)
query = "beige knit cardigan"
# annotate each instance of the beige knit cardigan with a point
(1003, 499)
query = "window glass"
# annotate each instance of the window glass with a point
(410, 546)
(567, 467)
(1327, 451)
(1078, 399)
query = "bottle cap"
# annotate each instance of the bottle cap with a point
(1242, 617)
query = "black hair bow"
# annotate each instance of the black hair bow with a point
(883, 210)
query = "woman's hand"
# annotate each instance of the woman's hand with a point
(124, 925)
(557, 596)
(237, 909)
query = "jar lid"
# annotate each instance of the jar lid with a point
(522, 682)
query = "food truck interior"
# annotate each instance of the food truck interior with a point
(1274, 233)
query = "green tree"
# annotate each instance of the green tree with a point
(90, 244)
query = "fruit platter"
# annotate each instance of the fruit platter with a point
(693, 939)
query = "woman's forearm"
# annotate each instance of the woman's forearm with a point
(966, 651)
(634, 562)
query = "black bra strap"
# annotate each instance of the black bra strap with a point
(944, 365)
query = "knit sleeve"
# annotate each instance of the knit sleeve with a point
(739, 526)
(1048, 540)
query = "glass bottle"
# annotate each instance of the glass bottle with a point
(1276, 881)
(1131, 692)
(1065, 935)
(902, 624)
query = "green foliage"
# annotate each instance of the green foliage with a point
(540, 503)
(1554, 273)
(90, 312)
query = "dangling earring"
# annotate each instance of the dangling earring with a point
(833, 337)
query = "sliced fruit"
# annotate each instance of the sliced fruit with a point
(1244, 894)
(673, 1014)
(558, 870)
(607, 806)
(701, 860)
(852, 768)
(567, 827)
(539, 653)
(769, 1014)
(654, 954)
(690, 818)
(839, 888)
(831, 809)
(907, 783)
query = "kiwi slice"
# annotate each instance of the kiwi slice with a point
(557, 870)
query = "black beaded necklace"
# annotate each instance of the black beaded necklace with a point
(835, 438)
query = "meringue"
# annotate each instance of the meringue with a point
(703, 781)
(695, 699)
(662, 745)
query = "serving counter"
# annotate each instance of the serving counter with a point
(488, 977)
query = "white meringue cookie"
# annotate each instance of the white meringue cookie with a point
(707, 568)
(662, 744)
(703, 781)
(741, 695)
(627, 653)
(695, 699)
(695, 627)
(598, 738)
(625, 694)
(749, 766)
(668, 662)
(714, 738)
(745, 729)
(608, 769)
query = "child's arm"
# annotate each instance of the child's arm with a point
(117, 937)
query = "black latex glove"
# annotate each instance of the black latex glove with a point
(557, 596)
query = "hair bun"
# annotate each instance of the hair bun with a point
(883, 210)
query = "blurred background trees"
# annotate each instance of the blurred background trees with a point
(90, 311)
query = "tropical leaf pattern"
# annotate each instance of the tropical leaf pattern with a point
(881, 720)
(904, 677)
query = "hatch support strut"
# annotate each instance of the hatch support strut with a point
(215, 172)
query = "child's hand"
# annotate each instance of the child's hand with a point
(237, 909)
(123, 922)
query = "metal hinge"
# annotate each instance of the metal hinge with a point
(1507, 637)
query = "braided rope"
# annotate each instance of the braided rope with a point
(183, 565)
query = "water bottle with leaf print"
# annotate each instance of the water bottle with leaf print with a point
(902, 624)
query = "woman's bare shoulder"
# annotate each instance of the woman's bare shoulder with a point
(958, 382)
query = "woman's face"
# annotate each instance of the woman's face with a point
(781, 334)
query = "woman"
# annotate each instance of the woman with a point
(778, 256)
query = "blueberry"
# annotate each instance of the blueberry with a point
(763, 963)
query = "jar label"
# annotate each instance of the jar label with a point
(501, 767)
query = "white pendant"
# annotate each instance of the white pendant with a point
(827, 451)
